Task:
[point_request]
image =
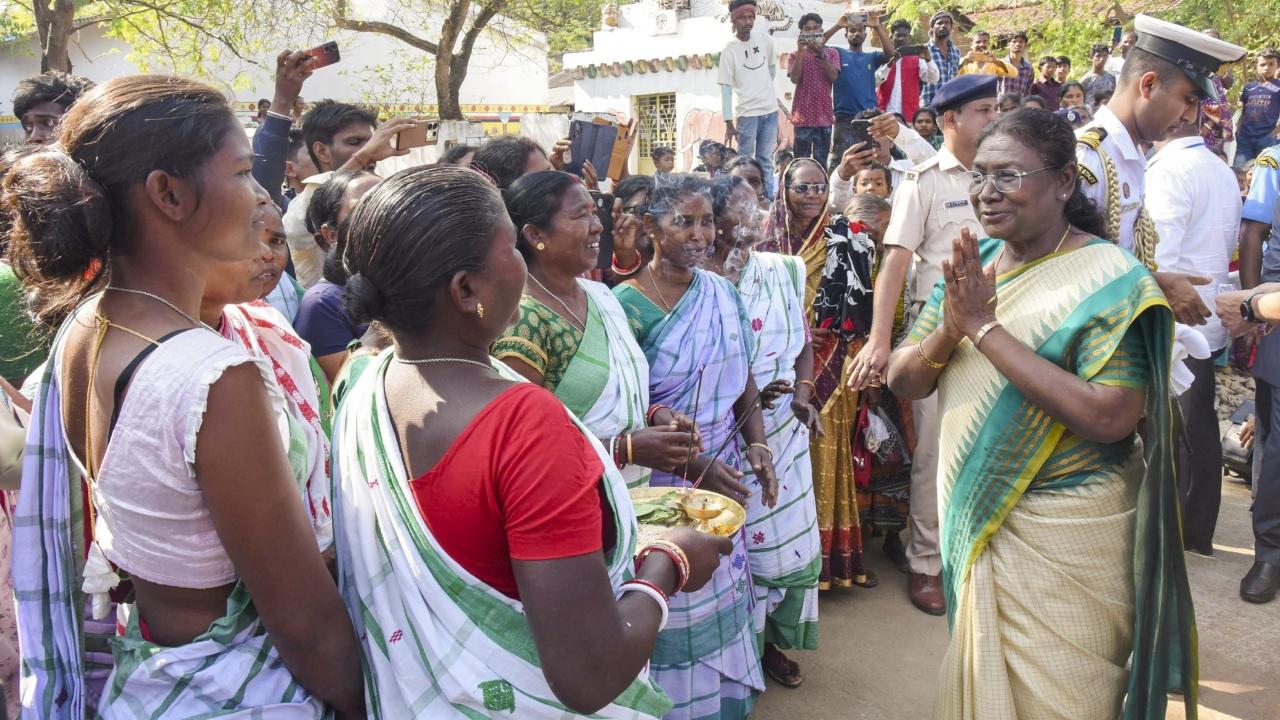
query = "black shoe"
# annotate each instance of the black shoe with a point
(1261, 583)
(1205, 549)
(894, 550)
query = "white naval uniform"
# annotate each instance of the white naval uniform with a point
(1131, 170)
(1194, 200)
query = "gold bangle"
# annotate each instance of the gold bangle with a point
(982, 331)
(764, 447)
(812, 387)
(630, 456)
(928, 361)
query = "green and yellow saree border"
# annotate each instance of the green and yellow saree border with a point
(1002, 452)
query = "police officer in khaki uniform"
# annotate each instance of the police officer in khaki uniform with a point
(929, 211)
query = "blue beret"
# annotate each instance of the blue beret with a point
(963, 89)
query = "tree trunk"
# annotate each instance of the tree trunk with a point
(55, 23)
(446, 91)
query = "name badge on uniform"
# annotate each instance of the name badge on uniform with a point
(956, 204)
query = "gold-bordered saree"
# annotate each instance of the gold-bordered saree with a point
(1062, 558)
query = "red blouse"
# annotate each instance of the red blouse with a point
(520, 482)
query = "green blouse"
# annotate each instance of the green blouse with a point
(542, 339)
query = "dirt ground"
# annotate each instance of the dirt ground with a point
(878, 656)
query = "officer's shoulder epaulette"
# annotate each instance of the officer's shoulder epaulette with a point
(1270, 158)
(1093, 137)
(914, 173)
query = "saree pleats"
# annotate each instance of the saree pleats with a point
(1062, 559)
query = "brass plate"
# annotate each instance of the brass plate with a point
(729, 521)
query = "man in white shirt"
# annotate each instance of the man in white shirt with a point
(1116, 62)
(339, 138)
(887, 132)
(747, 68)
(901, 79)
(1196, 210)
(1166, 73)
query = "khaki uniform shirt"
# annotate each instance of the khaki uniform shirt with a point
(1131, 172)
(929, 211)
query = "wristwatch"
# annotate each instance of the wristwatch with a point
(1247, 312)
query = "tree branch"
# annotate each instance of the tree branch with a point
(482, 19)
(200, 29)
(344, 22)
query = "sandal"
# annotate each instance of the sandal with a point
(783, 670)
(867, 580)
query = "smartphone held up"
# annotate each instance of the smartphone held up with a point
(323, 55)
(420, 134)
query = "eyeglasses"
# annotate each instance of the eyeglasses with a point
(1006, 181)
(806, 188)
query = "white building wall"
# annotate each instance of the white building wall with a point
(703, 31)
(505, 69)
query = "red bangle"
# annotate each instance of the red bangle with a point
(613, 265)
(653, 410)
(646, 583)
(617, 452)
(681, 564)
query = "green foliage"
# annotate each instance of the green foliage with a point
(568, 24)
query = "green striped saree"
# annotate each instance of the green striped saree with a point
(439, 643)
(782, 541)
(1062, 558)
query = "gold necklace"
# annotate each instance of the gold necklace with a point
(653, 280)
(1061, 240)
(572, 314)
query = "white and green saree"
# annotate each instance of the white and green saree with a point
(785, 552)
(438, 642)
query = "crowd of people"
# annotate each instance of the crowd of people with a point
(288, 436)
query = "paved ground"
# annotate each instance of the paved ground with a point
(879, 655)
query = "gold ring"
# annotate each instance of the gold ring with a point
(962, 277)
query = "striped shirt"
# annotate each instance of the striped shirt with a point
(1020, 84)
(948, 68)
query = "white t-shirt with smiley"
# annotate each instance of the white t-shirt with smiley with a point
(746, 67)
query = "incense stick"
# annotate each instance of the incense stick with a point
(732, 434)
(697, 401)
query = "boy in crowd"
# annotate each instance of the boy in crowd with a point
(1063, 69)
(1258, 120)
(1017, 58)
(855, 88)
(1047, 86)
(813, 71)
(41, 100)
(711, 155)
(1098, 81)
(664, 160)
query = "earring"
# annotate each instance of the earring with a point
(480, 309)
(720, 233)
(541, 246)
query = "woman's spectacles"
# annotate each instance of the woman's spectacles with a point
(1006, 181)
(806, 188)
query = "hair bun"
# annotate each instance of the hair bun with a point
(58, 222)
(362, 299)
